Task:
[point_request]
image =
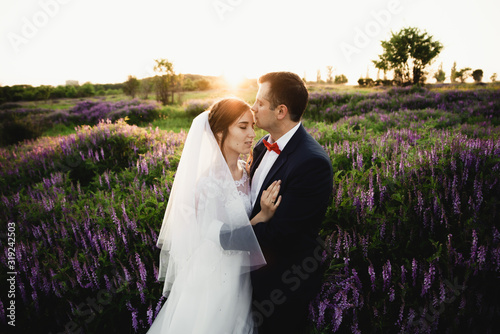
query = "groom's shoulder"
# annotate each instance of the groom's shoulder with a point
(310, 152)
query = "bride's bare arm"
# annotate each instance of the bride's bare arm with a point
(269, 202)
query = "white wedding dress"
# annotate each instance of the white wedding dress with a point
(208, 288)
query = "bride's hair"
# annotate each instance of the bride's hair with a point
(223, 114)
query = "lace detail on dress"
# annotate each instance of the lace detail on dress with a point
(243, 187)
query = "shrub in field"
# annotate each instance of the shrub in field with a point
(90, 112)
(196, 107)
(86, 209)
(18, 124)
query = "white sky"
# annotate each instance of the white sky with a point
(51, 41)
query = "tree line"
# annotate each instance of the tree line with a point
(45, 92)
(164, 85)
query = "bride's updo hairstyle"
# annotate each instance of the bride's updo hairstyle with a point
(223, 114)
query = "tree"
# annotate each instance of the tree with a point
(318, 77)
(202, 84)
(44, 92)
(440, 75)
(329, 74)
(340, 79)
(86, 90)
(407, 53)
(477, 75)
(463, 74)
(131, 86)
(164, 82)
(71, 91)
(493, 77)
(453, 76)
(145, 87)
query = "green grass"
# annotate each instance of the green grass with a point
(60, 130)
(172, 118)
(67, 103)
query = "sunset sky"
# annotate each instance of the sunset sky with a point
(51, 41)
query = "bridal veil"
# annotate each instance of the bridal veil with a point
(203, 202)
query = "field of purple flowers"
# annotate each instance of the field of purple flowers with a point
(412, 234)
(18, 123)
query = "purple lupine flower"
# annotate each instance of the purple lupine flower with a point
(108, 283)
(496, 235)
(391, 294)
(338, 198)
(481, 256)
(428, 277)
(130, 223)
(386, 274)
(420, 202)
(371, 193)
(158, 305)
(134, 320)
(127, 275)
(106, 178)
(142, 268)
(382, 229)
(150, 315)
(442, 292)
(337, 318)
(364, 245)
(321, 312)
(456, 197)
(371, 272)
(403, 274)
(473, 249)
(414, 271)
(338, 245)
(140, 287)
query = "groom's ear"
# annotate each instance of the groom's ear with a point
(282, 111)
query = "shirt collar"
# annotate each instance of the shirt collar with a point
(286, 137)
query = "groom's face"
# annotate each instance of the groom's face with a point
(264, 115)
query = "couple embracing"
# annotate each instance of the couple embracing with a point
(238, 237)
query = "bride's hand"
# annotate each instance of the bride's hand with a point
(269, 202)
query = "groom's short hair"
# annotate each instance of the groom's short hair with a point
(287, 88)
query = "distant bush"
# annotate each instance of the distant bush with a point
(202, 84)
(196, 107)
(365, 82)
(340, 79)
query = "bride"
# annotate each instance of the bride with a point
(208, 288)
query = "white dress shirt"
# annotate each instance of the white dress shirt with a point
(268, 161)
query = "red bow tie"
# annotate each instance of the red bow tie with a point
(272, 147)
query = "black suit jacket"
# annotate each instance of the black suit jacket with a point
(289, 240)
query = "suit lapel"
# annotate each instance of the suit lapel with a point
(283, 157)
(258, 153)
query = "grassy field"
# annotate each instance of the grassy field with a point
(172, 117)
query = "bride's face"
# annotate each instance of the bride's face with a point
(240, 135)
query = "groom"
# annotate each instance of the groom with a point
(284, 287)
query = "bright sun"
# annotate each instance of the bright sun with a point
(233, 78)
